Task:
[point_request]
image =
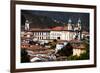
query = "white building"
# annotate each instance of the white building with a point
(41, 34)
(67, 32)
(55, 34)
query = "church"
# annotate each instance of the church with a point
(68, 32)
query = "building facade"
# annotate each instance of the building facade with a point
(68, 32)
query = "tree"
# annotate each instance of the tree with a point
(55, 41)
(85, 55)
(24, 56)
(66, 50)
(53, 44)
(73, 57)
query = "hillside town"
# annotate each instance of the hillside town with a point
(53, 44)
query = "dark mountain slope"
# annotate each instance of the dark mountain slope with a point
(38, 21)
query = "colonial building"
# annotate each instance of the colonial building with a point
(41, 34)
(67, 32)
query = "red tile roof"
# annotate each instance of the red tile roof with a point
(40, 29)
(58, 28)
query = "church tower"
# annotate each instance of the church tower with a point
(79, 29)
(69, 24)
(27, 25)
(70, 33)
(79, 24)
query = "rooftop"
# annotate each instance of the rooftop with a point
(57, 28)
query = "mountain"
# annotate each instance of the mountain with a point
(46, 19)
(38, 21)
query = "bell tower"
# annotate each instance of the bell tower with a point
(79, 29)
(70, 34)
(27, 25)
(69, 24)
(79, 24)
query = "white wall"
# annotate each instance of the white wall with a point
(5, 36)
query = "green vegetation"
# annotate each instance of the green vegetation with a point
(83, 56)
(66, 50)
(53, 44)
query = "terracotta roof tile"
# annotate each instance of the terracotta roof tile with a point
(58, 28)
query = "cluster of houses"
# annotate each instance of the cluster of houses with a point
(34, 38)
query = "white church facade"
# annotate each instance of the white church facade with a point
(68, 32)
